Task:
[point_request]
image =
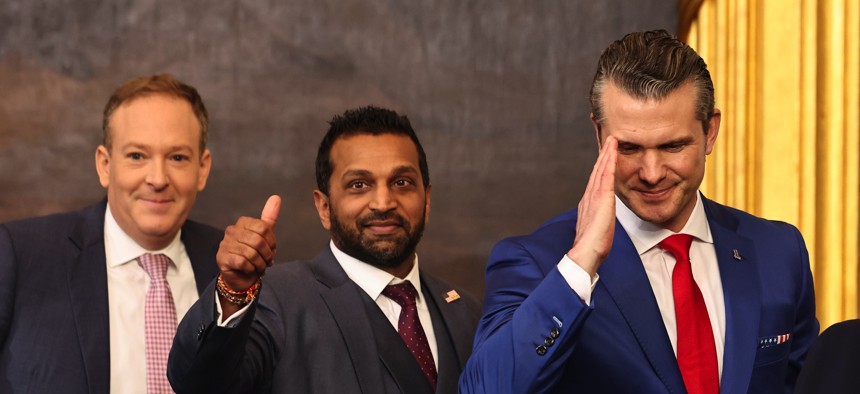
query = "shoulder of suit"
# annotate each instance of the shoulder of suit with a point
(55, 223)
(202, 229)
(747, 222)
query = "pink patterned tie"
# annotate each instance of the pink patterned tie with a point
(160, 316)
(410, 329)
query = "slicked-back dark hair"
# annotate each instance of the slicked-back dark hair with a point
(650, 65)
(365, 120)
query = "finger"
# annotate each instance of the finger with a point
(271, 210)
(606, 172)
(255, 235)
(234, 256)
(246, 228)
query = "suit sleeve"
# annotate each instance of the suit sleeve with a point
(806, 326)
(529, 328)
(206, 358)
(7, 283)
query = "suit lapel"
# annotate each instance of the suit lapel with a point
(741, 293)
(87, 276)
(455, 318)
(343, 299)
(624, 278)
(201, 251)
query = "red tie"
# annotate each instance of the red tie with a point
(160, 322)
(410, 329)
(697, 354)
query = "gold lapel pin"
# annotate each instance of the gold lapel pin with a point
(451, 296)
(737, 255)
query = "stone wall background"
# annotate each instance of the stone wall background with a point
(497, 91)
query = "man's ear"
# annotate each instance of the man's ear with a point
(713, 130)
(323, 209)
(205, 166)
(427, 203)
(103, 165)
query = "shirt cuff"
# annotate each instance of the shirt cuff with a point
(578, 280)
(234, 319)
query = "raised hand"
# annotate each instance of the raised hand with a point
(249, 247)
(595, 225)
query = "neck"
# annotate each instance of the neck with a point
(402, 269)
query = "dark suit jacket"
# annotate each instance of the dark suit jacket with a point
(833, 363)
(620, 345)
(313, 330)
(53, 300)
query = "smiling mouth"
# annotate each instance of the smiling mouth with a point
(654, 195)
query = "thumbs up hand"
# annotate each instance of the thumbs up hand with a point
(248, 247)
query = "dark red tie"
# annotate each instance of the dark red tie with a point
(410, 329)
(697, 354)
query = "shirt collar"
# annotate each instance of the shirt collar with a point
(646, 235)
(120, 248)
(371, 279)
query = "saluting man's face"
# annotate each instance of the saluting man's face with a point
(661, 153)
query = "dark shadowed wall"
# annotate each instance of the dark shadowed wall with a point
(497, 91)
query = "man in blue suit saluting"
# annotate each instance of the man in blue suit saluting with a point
(647, 287)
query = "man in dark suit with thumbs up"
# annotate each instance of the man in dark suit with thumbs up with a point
(359, 318)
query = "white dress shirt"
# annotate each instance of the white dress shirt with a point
(659, 265)
(128, 284)
(373, 280)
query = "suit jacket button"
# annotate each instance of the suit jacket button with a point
(548, 341)
(554, 333)
(541, 350)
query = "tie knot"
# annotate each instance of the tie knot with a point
(678, 245)
(403, 294)
(155, 265)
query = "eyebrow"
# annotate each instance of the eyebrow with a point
(681, 140)
(173, 148)
(399, 170)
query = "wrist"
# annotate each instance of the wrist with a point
(240, 298)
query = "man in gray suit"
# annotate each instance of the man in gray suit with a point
(360, 317)
(74, 286)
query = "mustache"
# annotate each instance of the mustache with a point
(381, 216)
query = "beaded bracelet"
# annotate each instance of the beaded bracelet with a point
(240, 298)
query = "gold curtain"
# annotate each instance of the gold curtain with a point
(787, 76)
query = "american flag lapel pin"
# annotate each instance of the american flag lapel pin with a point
(737, 255)
(451, 296)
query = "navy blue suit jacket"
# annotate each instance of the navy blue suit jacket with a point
(619, 344)
(54, 300)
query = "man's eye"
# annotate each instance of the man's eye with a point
(402, 182)
(673, 148)
(135, 156)
(627, 149)
(179, 158)
(357, 185)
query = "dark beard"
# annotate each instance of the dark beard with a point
(353, 242)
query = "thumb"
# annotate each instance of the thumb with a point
(271, 210)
